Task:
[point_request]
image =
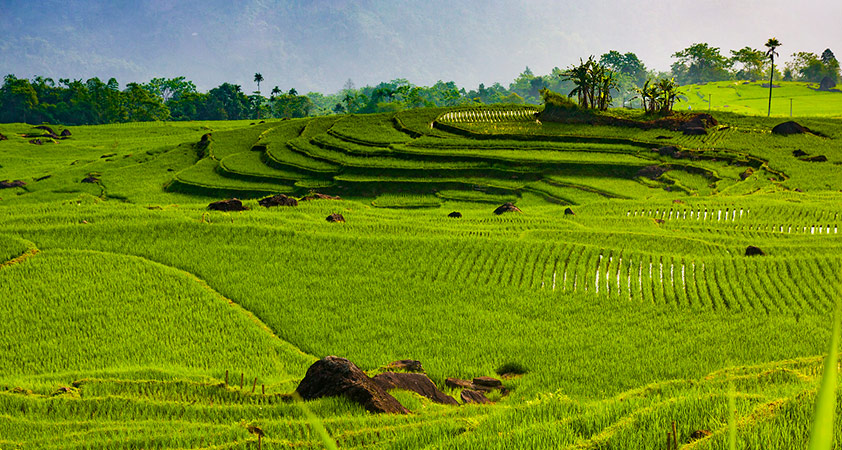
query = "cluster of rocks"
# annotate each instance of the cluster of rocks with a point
(5, 184)
(804, 156)
(234, 204)
(334, 376)
(49, 133)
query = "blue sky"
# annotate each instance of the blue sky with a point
(317, 45)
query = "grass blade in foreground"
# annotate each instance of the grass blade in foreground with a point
(821, 436)
(317, 424)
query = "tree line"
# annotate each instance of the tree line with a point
(614, 79)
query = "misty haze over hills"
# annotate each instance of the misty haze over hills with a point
(318, 45)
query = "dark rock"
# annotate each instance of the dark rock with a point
(205, 137)
(333, 376)
(469, 396)
(3, 138)
(652, 172)
(262, 121)
(699, 434)
(827, 83)
(45, 128)
(701, 120)
(277, 200)
(66, 133)
(799, 153)
(409, 365)
(487, 383)
(318, 196)
(817, 158)
(457, 383)
(90, 179)
(506, 207)
(36, 141)
(669, 150)
(43, 178)
(227, 205)
(335, 217)
(5, 184)
(754, 251)
(663, 137)
(415, 382)
(746, 173)
(788, 128)
(694, 131)
(455, 215)
(569, 212)
(798, 190)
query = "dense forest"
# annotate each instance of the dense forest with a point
(93, 101)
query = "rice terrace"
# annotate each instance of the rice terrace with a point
(571, 272)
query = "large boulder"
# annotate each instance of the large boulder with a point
(227, 205)
(569, 212)
(415, 382)
(506, 207)
(336, 217)
(455, 215)
(277, 200)
(469, 396)
(788, 128)
(66, 133)
(754, 251)
(333, 376)
(827, 83)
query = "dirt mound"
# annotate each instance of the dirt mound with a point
(506, 207)
(652, 172)
(318, 196)
(227, 205)
(3, 138)
(335, 217)
(5, 184)
(45, 128)
(701, 120)
(817, 158)
(415, 382)
(455, 215)
(66, 133)
(754, 251)
(799, 153)
(90, 179)
(333, 376)
(277, 200)
(409, 365)
(827, 83)
(788, 128)
(569, 212)
(469, 396)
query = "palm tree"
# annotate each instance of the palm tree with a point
(257, 79)
(771, 44)
(275, 91)
(668, 92)
(580, 76)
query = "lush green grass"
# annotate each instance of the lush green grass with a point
(751, 98)
(638, 310)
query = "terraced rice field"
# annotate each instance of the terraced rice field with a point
(137, 318)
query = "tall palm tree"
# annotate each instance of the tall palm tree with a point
(771, 45)
(276, 91)
(257, 79)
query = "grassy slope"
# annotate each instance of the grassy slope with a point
(464, 296)
(751, 98)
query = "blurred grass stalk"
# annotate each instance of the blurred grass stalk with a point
(821, 434)
(316, 423)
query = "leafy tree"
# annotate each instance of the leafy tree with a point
(752, 61)
(292, 106)
(627, 64)
(593, 82)
(169, 88)
(700, 63)
(18, 99)
(141, 106)
(771, 45)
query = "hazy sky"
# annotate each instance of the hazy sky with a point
(317, 45)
